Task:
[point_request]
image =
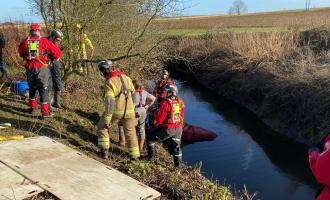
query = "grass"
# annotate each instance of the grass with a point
(75, 126)
(199, 32)
(185, 32)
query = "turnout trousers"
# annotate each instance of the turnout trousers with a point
(170, 137)
(128, 124)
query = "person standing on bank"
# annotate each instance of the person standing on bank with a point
(119, 105)
(168, 124)
(3, 69)
(36, 50)
(142, 101)
(55, 37)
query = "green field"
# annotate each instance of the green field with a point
(198, 31)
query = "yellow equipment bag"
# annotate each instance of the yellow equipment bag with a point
(12, 137)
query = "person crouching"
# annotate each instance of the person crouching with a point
(168, 126)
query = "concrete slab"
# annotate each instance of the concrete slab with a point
(68, 174)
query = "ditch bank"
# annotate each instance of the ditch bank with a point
(292, 102)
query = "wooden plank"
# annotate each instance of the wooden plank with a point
(14, 186)
(69, 174)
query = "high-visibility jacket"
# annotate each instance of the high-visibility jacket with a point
(118, 99)
(83, 42)
(159, 90)
(170, 114)
(36, 51)
(182, 106)
(320, 164)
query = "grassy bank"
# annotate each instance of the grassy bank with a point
(282, 77)
(75, 126)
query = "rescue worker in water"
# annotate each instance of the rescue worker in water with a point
(319, 161)
(168, 123)
(119, 105)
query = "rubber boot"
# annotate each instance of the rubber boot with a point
(104, 154)
(177, 157)
(151, 150)
(141, 144)
(33, 106)
(45, 111)
(57, 99)
(122, 140)
(177, 161)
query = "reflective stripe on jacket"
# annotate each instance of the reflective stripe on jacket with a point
(45, 49)
(170, 114)
(114, 94)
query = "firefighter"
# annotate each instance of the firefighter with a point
(55, 37)
(83, 41)
(2, 63)
(118, 106)
(159, 90)
(168, 123)
(36, 50)
(319, 161)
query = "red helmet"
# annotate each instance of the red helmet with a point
(35, 26)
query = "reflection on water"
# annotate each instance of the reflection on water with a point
(246, 151)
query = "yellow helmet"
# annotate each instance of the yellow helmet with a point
(78, 26)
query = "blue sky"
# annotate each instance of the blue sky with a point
(19, 10)
(204, 7)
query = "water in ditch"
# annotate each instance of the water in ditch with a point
(246, 151)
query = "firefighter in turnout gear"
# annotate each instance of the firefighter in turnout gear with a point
(36, 50)
(55, 82)
(119, 105)
(168, 123)
(83, 42)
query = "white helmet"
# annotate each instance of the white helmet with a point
(171, 90)
(105, 64)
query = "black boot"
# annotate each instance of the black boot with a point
(57, 99)
(177, 157)
(177, 161)
(151, 150)
(104, 153)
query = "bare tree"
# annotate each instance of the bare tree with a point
(238, 7)
(119, 29)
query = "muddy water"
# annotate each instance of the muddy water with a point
(246, 151)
